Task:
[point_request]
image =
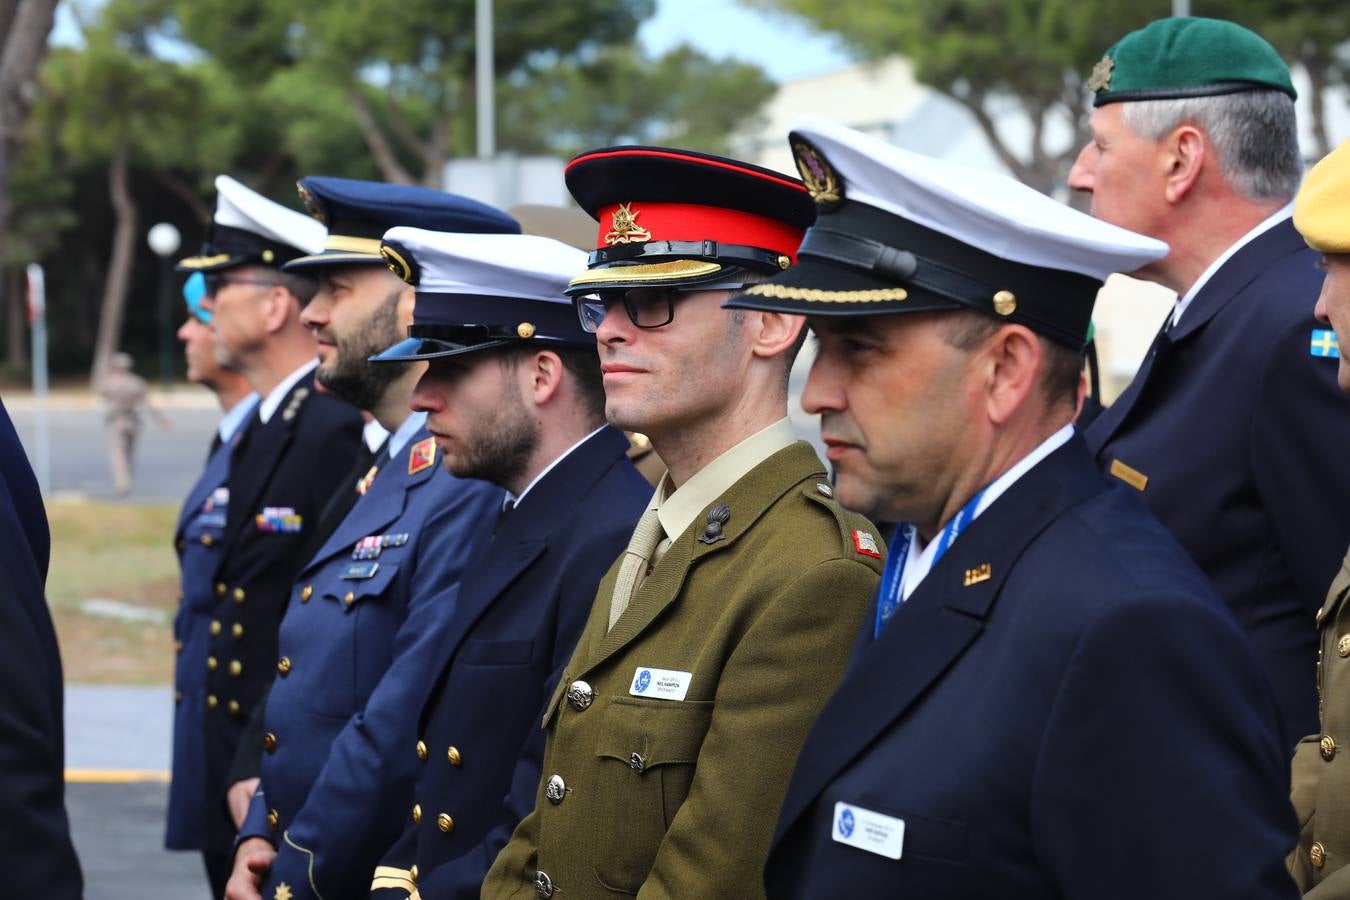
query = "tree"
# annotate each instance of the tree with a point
(24, 25)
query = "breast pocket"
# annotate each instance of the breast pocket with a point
(647, 751)
(343, 642)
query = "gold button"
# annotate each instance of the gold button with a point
(211, 663)
(452, 754)
(236, 667)
(269, 742)
(206, 540)
(349, 599)
(1343, 645)
(422, 750)
(307, 593)
(237, 630)
(284, 666)
(177, 646)
(1005, 303)
(220, 588)
(238, 595)
(417, 813)
(177, 696)
(412, 873)
(1317, 855)
(1328, 747)
(215, 627)
(234, 707)
(211, 701)
(445, 823)
(272, 819)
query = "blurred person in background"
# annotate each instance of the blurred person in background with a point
(124, 394)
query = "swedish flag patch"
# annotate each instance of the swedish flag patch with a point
(1324, 343)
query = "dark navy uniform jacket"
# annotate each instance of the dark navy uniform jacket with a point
(521, 607)
(36, 855)
(198, 539)
(281, 475)
(357, 649)
(1236, 433)
(1063, 708)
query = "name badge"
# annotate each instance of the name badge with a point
(361, 571)
(660, 684)
(871, 831)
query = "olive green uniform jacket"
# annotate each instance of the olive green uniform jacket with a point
(1321, 776)
(678, 798)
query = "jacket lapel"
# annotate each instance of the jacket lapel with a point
(215, 474)
(748, 499)
(254, 461)
(939, 622)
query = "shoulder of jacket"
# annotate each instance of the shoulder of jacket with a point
(858, 539)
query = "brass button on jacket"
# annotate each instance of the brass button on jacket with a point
(284, 666)
(422, 753)
(211, 663)
(237, 631)
(1328, 747)
(215, 627)
(220, 588)
(453, 754)
(270, 742)
(1343, 646)
(238, 595)
(273, 817)
(417, 813)
(543, 885)
(233, 706)
(556, 789)
(236, 668)
(307, 593)
(445, 823)
(211, 701)
(580, 695)
(1317, 855)
(349, 599)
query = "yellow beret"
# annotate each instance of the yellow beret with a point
(1322, 207)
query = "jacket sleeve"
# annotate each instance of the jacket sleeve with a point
(1185, 749)
(771, 690)
(1299, 431)
(356, 807)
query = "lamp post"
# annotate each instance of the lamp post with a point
(164, 241)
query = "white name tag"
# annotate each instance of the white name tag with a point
(661, 684)
(867, 830)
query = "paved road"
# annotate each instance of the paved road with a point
(168, 461)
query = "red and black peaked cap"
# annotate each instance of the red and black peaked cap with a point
(676, 217)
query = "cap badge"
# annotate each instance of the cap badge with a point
(821, 181)
(623, 227)
(311, 205)
(1100, 79)
(399, 264)
(1005, 303)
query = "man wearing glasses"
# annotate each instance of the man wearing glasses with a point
(283, 465)
(717, 636)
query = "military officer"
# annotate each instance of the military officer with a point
(1194, 142)
(1047, 699)
(286, 462)
(1321, 780)
(718, 634)
(514, 396)
(37, 856)
(357, 644)
(198, 540)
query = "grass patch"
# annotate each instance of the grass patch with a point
(120, 552)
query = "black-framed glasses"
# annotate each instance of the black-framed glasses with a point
(647, 307)
(215, 282)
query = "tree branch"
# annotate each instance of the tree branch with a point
(379, 147)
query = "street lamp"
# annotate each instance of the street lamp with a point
(164, 241)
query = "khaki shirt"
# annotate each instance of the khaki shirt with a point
(677, 795)
(1321, 771)
(124, 394)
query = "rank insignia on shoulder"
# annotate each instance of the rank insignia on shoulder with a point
(360, 571)
(279, 520)
(422, 456)
(1324, 344)
(866, 544)
(980, 573)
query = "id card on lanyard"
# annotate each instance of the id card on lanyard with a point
(889, 597)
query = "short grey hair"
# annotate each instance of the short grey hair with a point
(1254, 132)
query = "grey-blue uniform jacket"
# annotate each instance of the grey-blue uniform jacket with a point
(356, 655)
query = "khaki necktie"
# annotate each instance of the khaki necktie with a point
(636, 558)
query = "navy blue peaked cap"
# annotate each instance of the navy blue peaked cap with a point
(358, 213)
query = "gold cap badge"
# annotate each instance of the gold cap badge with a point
(400, 263)
(1100, 79)
(311, 205)
(822, 182)
(623, 227)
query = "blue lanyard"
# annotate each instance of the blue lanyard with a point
(893, 575)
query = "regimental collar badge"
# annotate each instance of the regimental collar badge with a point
(623, 227)
(1100, 79)
(363, 483)
(422, 456)
(311, 205)
(822, 182)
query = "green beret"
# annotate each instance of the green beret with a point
(1188, 57)
(1322, 207)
